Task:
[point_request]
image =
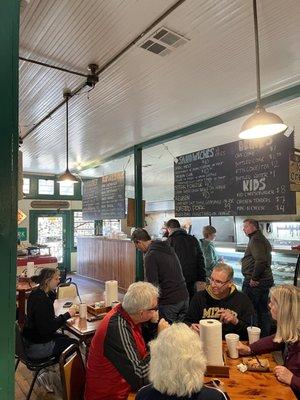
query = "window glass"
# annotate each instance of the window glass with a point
(82, 227)
(26, 185)
(66, 188)
(46, 186)
(111, 226)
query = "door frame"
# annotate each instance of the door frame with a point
(33, 232)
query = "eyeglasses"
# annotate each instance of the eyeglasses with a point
(218, 283)
(152, 309)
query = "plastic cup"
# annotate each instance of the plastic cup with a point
(82, 310)
(232, 341)
(253, 334)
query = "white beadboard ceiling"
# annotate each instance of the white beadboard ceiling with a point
(143, 95)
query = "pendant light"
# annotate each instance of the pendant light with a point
(262, 123)
(67, 176)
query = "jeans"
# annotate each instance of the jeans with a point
(174, 312)
(259, 296)
(53, 348)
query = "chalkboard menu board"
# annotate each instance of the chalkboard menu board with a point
(247, 177)
(104, 198)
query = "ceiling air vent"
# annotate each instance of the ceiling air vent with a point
(163, 41)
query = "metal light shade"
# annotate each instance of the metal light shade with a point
(261, 124)
(67, 177)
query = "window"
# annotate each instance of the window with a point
(82, 227)
(26, 185)
(66, 188)
(46, 186)
(110, 226)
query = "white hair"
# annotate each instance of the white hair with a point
(139, 296)
(177, 362)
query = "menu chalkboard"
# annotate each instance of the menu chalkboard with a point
(247, 177)
(104, 198)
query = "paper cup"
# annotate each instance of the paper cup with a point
(253, 334)
(82, 310)
(232, 341)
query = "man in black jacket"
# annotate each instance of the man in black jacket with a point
(221, 300)
(258, 277)
(190, 256)
(163, 269)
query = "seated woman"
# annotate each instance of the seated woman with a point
(285, 309)
(39, 333)
(177, 367)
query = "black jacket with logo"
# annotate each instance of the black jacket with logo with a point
(190, 255)
(163, 269)
(204, 305)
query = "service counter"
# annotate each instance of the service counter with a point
(105, 259)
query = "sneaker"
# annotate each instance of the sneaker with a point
(44, 380)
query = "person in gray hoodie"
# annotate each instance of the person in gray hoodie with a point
(163, 269)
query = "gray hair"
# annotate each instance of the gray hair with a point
(177, 362)
(287, 299)
(139, 296)
(226, 268)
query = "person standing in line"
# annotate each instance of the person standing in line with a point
(190, 256)
(211, 257)
(163, 269)
(258, 277)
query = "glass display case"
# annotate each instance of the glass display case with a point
(283, 265)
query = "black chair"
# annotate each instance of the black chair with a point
(63, 276)
(32, 365)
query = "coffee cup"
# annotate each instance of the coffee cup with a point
(253, 334)
(82, 310)
(232, 341)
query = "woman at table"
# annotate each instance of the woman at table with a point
(39, 333)
(177, 367)
(285, 309)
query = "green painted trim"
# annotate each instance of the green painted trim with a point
(33, 192)
(139, 223)
(33, 234)
(247, 109)
(9, 81)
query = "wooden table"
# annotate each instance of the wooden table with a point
(23, 288)
(80, 327)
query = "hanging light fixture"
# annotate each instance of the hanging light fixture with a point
(262, 123)
(67, 176)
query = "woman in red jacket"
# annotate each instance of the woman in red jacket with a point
(285, 309)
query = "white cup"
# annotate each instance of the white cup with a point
(253, 334)
(232, 341)
(82, 310)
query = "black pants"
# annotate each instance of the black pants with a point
(61, 343)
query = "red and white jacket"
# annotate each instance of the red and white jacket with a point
(118, 362)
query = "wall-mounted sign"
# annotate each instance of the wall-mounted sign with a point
(104, 198)
(21, 216)
(22, 234)
(246, 177)
(294, 172)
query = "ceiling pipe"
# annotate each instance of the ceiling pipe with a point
(107, 65)
(52, 66)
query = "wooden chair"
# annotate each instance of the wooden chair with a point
(32, 365)
(67, 290)
(72, 372)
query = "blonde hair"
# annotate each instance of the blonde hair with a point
(208, 230)
(287, 299)
(177, 362)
